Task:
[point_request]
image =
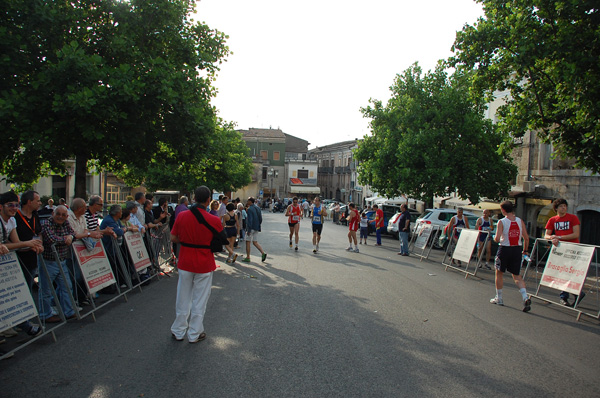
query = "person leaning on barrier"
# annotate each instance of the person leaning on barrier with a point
(57, 232)
(28, 229)
(196, 266)
(149, 216)
(160, 212)
(563, 227)
(112, 221)
(9, 203)
(95, 206)
(132, 207)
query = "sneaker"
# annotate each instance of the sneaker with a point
(296, 248)
(264, 257)
(200, 338)
(175, 337)
(497, 301)
(486, 265)
(527, 305)
(246, 260)
(349, 249)
(291, 244)
(234, 258)
(314, 250)
(565, 303)
(9, 333)
(356, 250)
(34, 330)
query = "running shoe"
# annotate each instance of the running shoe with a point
(246, 260)
(497, 301)
(314, 250)
(264, 257)
(296, 248)
(349, 249)
(486, 265)
(291, 244)
(527, 305)
(356, 250)
(234, 258)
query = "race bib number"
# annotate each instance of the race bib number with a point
(296, 218)
(317, 219)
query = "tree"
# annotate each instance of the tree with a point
(109, 82)
(431, 139)
(228, 168)
(546, 54)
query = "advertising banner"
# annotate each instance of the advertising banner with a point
(465, 245)
(16, 303)
(567, 267)
(423, 233)
(137, 250)
(94, 265)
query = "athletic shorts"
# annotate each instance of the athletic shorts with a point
(231, 232)
(252, 236)
(509, 258)
(318, 228)
(293, 224)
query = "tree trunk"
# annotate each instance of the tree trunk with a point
(81, 176)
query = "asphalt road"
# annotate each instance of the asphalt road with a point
(368, 324)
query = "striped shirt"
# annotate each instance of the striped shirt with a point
(91, 221)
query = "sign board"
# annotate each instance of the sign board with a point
(423, 232)
(16, 303)
(137, 250)
(465, 245)
(94, 265)
(567, 267)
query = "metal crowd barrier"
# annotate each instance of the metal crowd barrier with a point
(5, 287)
(423, 237)
(534, 273)
(466, 245)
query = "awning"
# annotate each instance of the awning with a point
(483, 206)
(304, 189)
(544, 215)
(457, 202)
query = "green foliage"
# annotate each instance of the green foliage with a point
(111, 82)
(547, 55)
(431, 139)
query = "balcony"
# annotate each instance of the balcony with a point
(325, 170)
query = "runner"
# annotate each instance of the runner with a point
(511, 230)
(485, 223)
(563, 227)
(352, 227)
(294, 212)
(364, 227)
(318, 212)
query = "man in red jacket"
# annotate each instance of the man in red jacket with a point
(196, 266)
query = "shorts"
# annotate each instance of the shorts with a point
(509, 258)
(231, 232)
(364, 232)
(318, 228)
(252, 236)
(351, 229)
(293, 224)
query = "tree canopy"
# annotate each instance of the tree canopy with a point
(547, 55)
(431, 139)
(113, 83)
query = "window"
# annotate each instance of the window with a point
(264, 155)
(276, 155)
(302, 173)
(264, 173)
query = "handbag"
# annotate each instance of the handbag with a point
(219, 238)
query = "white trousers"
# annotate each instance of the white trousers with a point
(193, 291)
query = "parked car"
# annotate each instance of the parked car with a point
(392, 226)
(387, 214)
(442, 217)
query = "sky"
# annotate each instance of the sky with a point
(308, 67)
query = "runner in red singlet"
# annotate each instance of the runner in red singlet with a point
(294, 214)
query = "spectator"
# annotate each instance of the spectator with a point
(95, 205)
(161, 212)
(253, 223)
(138, 212)
(196, 266)
(231, 225)
(133, 209)
(183, 206)
(56, 231)
(223, 207)
(403, 229)
(63, 202)
(214, 208)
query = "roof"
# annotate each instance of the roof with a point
(262, 133)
